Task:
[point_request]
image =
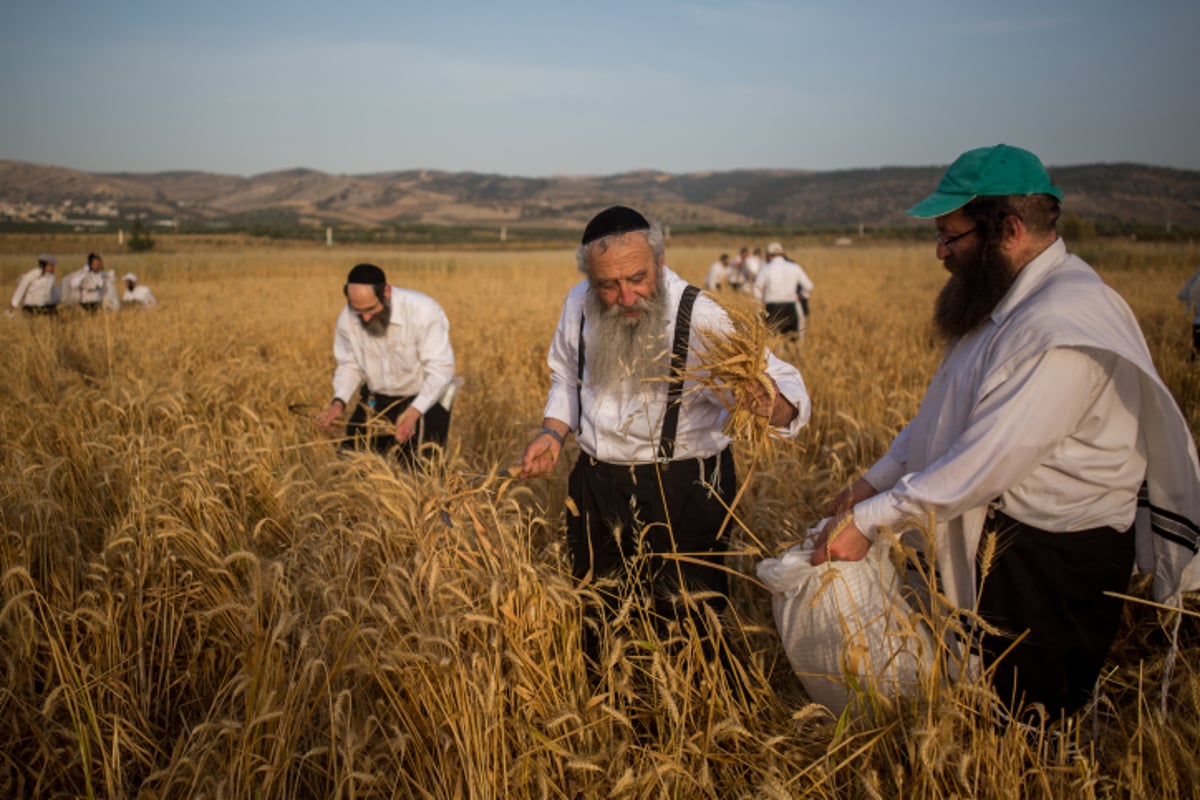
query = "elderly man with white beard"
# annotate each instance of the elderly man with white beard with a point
(392, 346)
(651, 489)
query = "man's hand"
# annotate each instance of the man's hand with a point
(325, 419)
(542, 453)
(848, 498)
(763, 398)
(848, 542)
(406, 424)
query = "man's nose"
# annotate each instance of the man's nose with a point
(627, 296)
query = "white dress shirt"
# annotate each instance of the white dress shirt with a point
(623, 424)
(781, 281)
(35, 289)
(1056, 440)
(85, 286)
(414, 359)
(1053, 406)
(717, 273)
(752, 265)
(140, 294)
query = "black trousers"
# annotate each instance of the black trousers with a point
(1052, 585)
(622, 529)
(783, 317)
(432, 428)
(45, 311)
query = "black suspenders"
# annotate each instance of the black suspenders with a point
(679, 353)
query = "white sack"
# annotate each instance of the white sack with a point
(846, 618)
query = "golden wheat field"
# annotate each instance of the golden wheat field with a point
(199, 597)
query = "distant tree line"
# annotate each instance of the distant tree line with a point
(283, 226)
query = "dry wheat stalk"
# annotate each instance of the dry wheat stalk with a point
(733, 364)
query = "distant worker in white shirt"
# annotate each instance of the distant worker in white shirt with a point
(718, 273)
(136, 293)
(1190, 295)
(752, 264)
(1040, 426)
(392, 348)
(655, 477)
(784, 287)
(90, 286)
(36, 292)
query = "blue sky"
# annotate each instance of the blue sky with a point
(587, 88)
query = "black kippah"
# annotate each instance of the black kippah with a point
(618, 219)
(366, 273)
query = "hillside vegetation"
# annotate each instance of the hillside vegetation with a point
(1131, 194)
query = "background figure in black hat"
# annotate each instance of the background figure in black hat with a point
(392, 347)
(654, 479)
(36, 292)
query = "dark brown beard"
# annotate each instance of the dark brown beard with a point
(973, 291)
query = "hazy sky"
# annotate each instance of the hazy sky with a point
(565, 87)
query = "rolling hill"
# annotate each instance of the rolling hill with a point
(1128, 193)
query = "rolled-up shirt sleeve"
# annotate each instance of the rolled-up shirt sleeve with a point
(791, 386)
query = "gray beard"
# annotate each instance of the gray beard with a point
(379, 323)
(621, 353)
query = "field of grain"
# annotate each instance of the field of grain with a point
(199, 597)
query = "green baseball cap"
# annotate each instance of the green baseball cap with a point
(987, 172)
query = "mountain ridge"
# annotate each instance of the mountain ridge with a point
(871, 196)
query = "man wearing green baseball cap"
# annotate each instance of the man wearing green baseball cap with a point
(1042, 424)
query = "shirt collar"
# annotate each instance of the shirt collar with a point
(1029, 278)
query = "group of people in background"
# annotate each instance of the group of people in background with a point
(91, 287)
(779, 283)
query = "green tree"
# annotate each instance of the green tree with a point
(140, 241)
(1075, 229)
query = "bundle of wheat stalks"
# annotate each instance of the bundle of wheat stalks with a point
(733, 363)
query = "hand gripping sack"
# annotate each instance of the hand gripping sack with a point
(845, 624)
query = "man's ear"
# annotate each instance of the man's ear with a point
(387, 292)
(1015, 233)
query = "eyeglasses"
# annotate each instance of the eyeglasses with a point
(947, 242)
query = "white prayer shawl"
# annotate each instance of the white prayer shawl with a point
(1072, 307)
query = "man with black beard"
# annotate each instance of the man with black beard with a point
(1043, 422)
(392, 347)
(651, 489)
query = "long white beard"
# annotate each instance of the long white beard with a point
(619, 351)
